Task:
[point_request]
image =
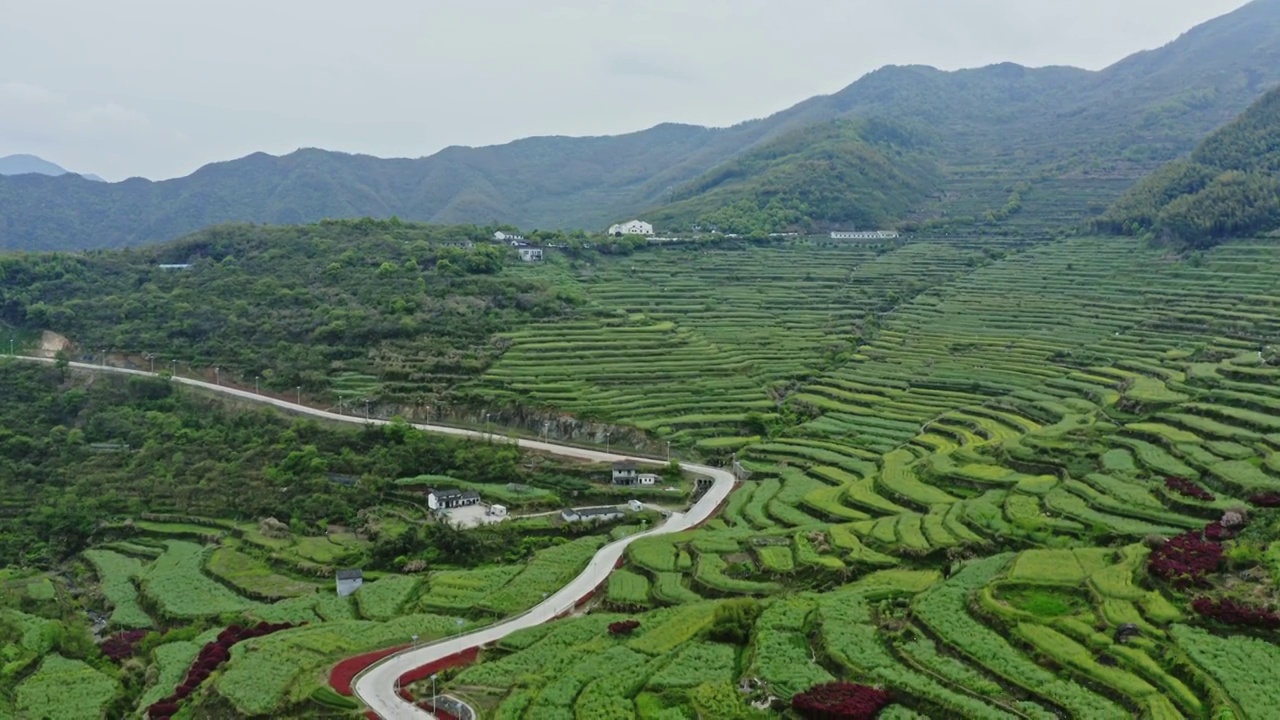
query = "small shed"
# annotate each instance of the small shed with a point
(349, 581)
(498, 510)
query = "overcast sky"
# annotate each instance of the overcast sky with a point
(159, 87)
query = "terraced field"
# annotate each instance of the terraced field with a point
(964, 459)
(1019, 406)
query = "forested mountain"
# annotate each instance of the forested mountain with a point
(1228, 186)
(996, 127)
(864, 173)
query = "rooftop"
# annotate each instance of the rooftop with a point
(355, 574)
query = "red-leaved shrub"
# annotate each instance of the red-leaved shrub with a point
(1182, 486)
(1217, 532)
(1185, 559)
(840, 701)
(122, 644)
(624, 627)
(1230, 612)
(1266, 499)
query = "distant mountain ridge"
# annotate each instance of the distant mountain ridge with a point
(996, 128)
(22, 164)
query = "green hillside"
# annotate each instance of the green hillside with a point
(1228, 187)
(353, 309)
(865, 173)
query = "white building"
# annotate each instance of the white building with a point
(349, 581)
(449, 499)
(864, 235)
(506, 237)
(635, 227)
(625, 473)
(596, 514)
(648, 479)
(530, 254)
(497, 510)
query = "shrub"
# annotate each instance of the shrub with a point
(1266, 500)
(1185, 559)
(840, 701)
(1230, 612)
(1185, 487)
(624, 627)
(123, 644)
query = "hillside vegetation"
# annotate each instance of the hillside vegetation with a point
(863, 173)
(1228, 187)
(1079, 138)
(337, 308)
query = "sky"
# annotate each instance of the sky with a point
(157, 88)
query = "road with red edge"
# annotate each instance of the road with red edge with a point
(377, 685)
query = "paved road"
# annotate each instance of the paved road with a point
(377, 685)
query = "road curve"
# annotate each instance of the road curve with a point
(376, 686)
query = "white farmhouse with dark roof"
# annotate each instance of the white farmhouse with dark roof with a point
(349, 581)
(625, 473)
(448, 499)
(596, 514)
(634, 227)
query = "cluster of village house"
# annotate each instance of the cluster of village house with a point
(624, 474)
(640, 227)
(534, 254)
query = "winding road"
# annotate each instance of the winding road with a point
(376, 686)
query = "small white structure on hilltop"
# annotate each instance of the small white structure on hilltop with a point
(506, 237)
(528, 254)
(864, 235)
(635, 227)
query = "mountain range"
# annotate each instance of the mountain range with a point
(983, 140)
(32, 165)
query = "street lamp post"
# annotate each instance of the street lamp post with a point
(152, 359)
(415, 641)
(299, 389)
(366, 409)
(487, 429)
(217, 374)
(668, 452)
(11, 346)
(433, 692)
(256, 380)
(175, 368)
(606, 442)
